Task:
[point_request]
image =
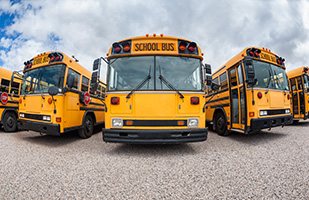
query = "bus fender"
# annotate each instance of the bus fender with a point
(91, 113)
(9, 109)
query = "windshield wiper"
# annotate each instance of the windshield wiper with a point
(141, 84)
(169, 85)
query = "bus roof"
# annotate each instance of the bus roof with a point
(298, 71)
(263, 54)
(155, 45)
(54, 57)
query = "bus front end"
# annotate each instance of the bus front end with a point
(155, 92)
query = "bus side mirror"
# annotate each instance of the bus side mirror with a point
(207, 69)
(70, 81)
(248, 60)
(96, 64)
(215, 86)
(208, 80)
(53, 90)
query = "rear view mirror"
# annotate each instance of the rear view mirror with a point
(250, 72)
(53, 91)
(96, 64)
(207, 69)
(208, 80)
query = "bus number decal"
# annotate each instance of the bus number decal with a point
(154, 47)
(40, 60)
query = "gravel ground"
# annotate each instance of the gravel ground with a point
(266, 165)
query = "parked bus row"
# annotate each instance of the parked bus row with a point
(158, 91)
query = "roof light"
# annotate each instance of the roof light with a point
(52, 59)
(182, 46)
(126, 46)
(192, 46)
(251, 53)
(116, 47)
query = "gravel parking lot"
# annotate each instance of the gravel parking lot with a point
(267, 165)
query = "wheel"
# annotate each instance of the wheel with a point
(221, 124)
(10, 122)
(87, 129)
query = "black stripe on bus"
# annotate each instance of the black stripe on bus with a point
(92, 109)
(221, 99)
(221, 105)
(16, 102)
(97, 104)
(224, 90)
(13, 107)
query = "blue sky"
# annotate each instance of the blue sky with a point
(86, 29)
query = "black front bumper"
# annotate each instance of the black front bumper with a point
(49, 129)
(269, 122)
(155, 136)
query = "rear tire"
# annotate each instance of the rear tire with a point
(87, 130)
(10, 122)
(221, 124)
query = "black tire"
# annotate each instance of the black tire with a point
(9, 122)
(221, 124)
(87, 129)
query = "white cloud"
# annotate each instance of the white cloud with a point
(221, 28)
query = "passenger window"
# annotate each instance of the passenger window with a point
(293, 84)
(233, 77)
(5, 85)
(85, 83)
(15, 88)
(76, 78)
(223, 81)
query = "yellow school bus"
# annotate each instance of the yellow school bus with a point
(59, 95)
(9, 96)
(155, 91)
(250, 93)
(299, 82)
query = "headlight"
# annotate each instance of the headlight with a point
(287, 111)
(192, 122)
(263, 112)
(117, 122)
(46, 118)
(21, 115)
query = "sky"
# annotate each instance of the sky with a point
(87, 28)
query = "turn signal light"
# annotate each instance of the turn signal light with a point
(20, 101)
(58, 119)
(288, 96)
(129, 123)
(115, 100)
(180, 123)
(251, 114)
(50, 100)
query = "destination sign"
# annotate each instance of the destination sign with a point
(40, 60)
(138, 47)
(268, 57)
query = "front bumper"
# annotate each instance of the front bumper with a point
(155, 136)
(269, 122)
(49, 129)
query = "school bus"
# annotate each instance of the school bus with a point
(9, 96)
(299, 82)
(59, 95)
(249, 93)
(155, 91)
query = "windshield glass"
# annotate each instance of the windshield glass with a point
(270, 76)
(38, 80)
(127, 73)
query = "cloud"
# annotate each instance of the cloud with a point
(221, 28)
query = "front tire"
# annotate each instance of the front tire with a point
(221, 124)
(10, 122)
(87, 130)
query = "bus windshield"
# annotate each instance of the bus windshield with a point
(154, 73)
(38, 80)
(270, 76)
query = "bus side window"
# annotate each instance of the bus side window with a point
(223, 81)
(76, 78)
(5, 85)
(15, 87)
(293, 84)
(85, 83)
